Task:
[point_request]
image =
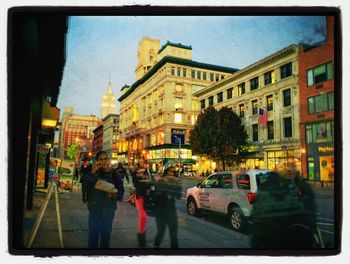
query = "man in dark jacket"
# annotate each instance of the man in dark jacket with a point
(102, 204)
(122, 172)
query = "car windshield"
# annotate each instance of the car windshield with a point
(271, 181)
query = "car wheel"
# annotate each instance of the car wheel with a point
(192, 208)
(236, 218)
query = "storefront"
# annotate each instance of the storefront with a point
(320, 162)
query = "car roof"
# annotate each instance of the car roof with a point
(243, 171)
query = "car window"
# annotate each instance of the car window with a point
(243, 181)
(225, 181)
(271, 181)
(211, 182)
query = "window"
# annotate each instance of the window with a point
(320, 132)
(241, 89)
(211, 77)
(178, 118)
(254, 107)
(229, 93)
(270, 130)
(243, 181)
(269, 77)
(254, 83)
(255, 132)
(198, 75)
(241, 110)
(320, 74)
(222, 77)
(193, 74)
(203, 104)
(225, 181)
(286, 98)
(178, 102)
(178, 72)
(172, 71)
(269, 102)
(321, 103)
(220, 96)
(287, 127)
(211, 100)
(211, 182)
(217, 77)
(286, 70)
(184, 72)
(204, 76)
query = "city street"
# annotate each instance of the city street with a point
(210, 231)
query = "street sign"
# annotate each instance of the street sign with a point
(42, 148)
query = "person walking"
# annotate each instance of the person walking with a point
(104, 188)
(122, 172)
(168, 189)
(141, 181)
(85, 169)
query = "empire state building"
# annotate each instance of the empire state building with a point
(109, 102)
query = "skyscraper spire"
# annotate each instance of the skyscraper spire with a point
(108, 105)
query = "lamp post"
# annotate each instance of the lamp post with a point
(179, 152)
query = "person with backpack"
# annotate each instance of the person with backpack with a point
(168, 188)
(104, 187)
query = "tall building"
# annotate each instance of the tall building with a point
(109, 102)
(272, 85)
(158, 110)
(316, 83)
(97, 142)
(110, 130)
(76, 129)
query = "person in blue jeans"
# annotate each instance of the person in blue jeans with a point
(102, 204)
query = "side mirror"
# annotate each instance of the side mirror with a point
(199, 184)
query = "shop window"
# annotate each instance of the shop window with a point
(229, 93)
(287, 98)
(255, 131)
(270, 130)
(269, 102)
(254, 83)
(220, 97)
(287, 127)
(241, 89)
(286, 70)
(319, 74)
(254, 107)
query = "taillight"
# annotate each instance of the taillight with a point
(251, 197)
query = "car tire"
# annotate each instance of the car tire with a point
(192, 208)
(236, 218)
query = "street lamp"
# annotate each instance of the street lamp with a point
(179, 151)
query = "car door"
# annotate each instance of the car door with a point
(224, 192)
(208, 192)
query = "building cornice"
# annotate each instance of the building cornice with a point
(179, 61)
(251, 68)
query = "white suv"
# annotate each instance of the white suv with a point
(245, 194)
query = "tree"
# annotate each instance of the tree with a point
(219, 135)
(71, 151)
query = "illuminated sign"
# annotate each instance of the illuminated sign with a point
(325, 149)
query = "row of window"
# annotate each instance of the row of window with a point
(269, 77)
(287, 129)
(199, 75)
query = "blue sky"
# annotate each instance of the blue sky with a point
(99, 46)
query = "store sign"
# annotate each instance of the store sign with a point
(325, 149)
(42, 148)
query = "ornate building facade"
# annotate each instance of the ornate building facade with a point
(158, 111)
(272, 85)
(110, 131)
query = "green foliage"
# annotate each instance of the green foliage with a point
(71, 151)
(219, 135)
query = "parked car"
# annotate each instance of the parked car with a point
(245, 195)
